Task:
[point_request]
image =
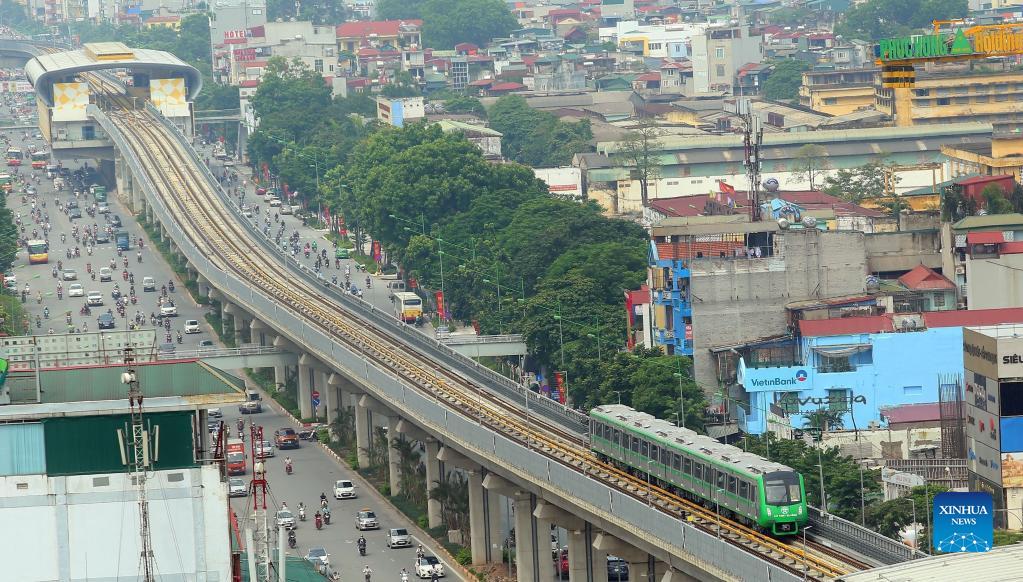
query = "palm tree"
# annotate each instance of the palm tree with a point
(412, 487)
(344, 425)
(378, 451)
(453, 494)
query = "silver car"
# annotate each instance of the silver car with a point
(237, 488)
(398, 537)
(285, 519)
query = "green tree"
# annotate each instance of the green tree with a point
(874, 179)
(889, 518)
(537, 138)
(656, 389)
(403, 85)
(955, 205)
(877, 19)
(462, 104)
(784, 81)
(616, 266)
(640, 148)
(316, 11)
(399, 9)
(995, 201)
(811, 164)
(449, 22)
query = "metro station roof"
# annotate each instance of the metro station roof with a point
(45, 70)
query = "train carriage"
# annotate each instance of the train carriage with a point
(755, 490)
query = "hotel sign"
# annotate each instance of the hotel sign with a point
(982, 41)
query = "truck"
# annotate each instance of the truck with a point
(235, 457)
(123, 241)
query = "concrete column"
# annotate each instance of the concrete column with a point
(362, 431)
(330, 396)
(639, 561)
(494, 530)
(580, 539)
(280, 376)
(433, 476)
(239, 328)
(526, 567)
(477, 518)
(393, 458)
(305, 389)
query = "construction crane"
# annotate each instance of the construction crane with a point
(140, 461)
(258, 532)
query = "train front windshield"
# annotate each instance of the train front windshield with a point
(781, 488)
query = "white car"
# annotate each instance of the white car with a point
(265, 449)
(237, 487)
(94, 299)
(192, 326)
(318, 556)
(344, 489)
(285, 519)
(427, 566)
(168, 310)
(275, 202)
(105, 275)
(75, 290)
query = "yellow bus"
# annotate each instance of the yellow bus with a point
(408, 307)
(38, 252)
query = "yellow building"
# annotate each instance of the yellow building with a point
(838, 92)
(1002, 156)
(953, 94)
(169, 21)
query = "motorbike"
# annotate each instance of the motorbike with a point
(292, 541)
(362, 547)
(170, 286)
(319, 522)
(326, 516)
(287, 469)
(301, 513)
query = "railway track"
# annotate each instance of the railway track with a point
(229, 246)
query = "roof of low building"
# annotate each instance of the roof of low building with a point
(999, 564)
(988, 221)
(886, 323)
(923, 277)
(921, 412)
(364, 28)
(985, 238)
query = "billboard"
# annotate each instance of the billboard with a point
(1012, 470)
(70, 101)
(963, 522)
(1012, 434)
(169, 96)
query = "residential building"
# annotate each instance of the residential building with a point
(993, 418)
(979, 247)
(563, 182)
(652, 40)
(853, 367)
(950, 93)
(922, 289)
(381, 34)
(400, 110)
(485, 138)
(234, 21)
(677, 78)
(171, 21)
(721, 280)
(65, 474)
(719, 52)
(1002, 154)
(612, 11)
(315, 46)
(458, 73)
(839, 91)
(693, 164)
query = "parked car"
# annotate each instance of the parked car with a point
(192, 326)
(105, 321)
(70, 275)
(617, 569)
(366, 519)
(562, 564)
(344, 489)
(286, 438)
(398, 537)
(427, 566)
(75, 290)
(237, 487)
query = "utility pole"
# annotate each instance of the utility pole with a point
(140, 461)
(753, 138)
(257, 533)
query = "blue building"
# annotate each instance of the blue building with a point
(855, 366)
(671, 298)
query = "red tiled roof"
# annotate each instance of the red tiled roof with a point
(686, 250)
(481, 83)
(846, 325)
(507, 86)
(465, 46)
(925, 412)
(925, 278)
(639, 296)
(973, 317)
(677, 65)
(364, 28)
(645, 77)
(691, 205)
(563, 12)
(981, 180)
(367, 52)
(816, 200)
(156, 19)
(985, 238)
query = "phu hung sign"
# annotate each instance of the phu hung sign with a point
(981, 42)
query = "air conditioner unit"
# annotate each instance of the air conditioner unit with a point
(667, 238)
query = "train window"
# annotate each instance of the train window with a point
(635, 445)
(781, 488)
(607, 432)
(665, 457)
(698, 471)
(644, 448)
(687, 465)
(653, 453)
(617, 437)
(720, 480)
(732, 485)
(744, 489)
(676, 462)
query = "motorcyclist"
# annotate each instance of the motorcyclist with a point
(323, 499)
(362, 545)
(367, 572)
(287, 464)
(301, 511)
(420, 552)
(292, 540)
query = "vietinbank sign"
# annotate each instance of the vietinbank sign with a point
(963, 522)
(799, 377)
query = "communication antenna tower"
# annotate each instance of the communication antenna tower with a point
(140, 460)
(258, 532)
(753, 138)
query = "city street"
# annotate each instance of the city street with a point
(40, 277)
(314, 473)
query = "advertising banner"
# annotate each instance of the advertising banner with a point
(963, 522)
(559, 382)
(441, 313)
(1012, 470)
(1012, 434)
(376, 251)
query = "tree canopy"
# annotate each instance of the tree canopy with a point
(316, 11)
(877, 19)
(537, 138)
(874, 179)
(784, 81)
(449, 22)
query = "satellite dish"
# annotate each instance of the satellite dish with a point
(783, 223)
(771, 185)
(809, 221)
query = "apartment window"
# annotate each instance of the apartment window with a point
(654, 46)
(318, 65)
(720, 70)
(1002, 97)
(921, 92)
(942, 101)
(962, 100)
(828, 364)
(912, 390)
(838, 400)
(719, 52)
(981, 99)
(938, 300)
(831, 101)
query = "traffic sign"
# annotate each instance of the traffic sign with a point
(316, 398)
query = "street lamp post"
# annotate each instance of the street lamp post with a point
(619, 394)
(820, 469)
(804, 552)
(676, 415)
(863, 509)
(681, 400)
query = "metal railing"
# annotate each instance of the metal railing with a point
(866, 542)
(213, 352)
(508, 338)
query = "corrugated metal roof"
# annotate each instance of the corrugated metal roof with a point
(985, 238)
(975, 222)
(846, 325)
(973, 317)
(94, 383)
(999, 565)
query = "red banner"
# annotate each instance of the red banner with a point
(559, 382)
(376, 251)
(413, 283)
(440, 305)
(341, 225)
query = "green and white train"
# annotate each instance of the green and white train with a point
(751, 488)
